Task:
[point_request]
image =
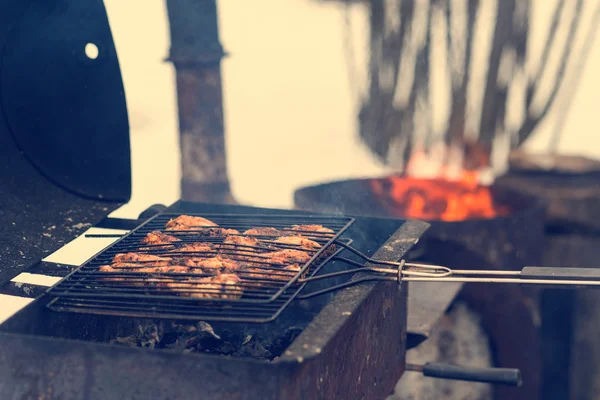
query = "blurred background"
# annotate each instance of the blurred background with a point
(296, 78)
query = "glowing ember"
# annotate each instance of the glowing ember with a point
(437, 199)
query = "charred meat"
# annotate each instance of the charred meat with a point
(264, 231)
(287, 256)
(157, 237)
(197, 247)
(212, 263)
(223, 286)
(123, 267)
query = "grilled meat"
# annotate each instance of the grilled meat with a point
(189, 220)
(311, 228)
(299, 241)
(208, 232)
(211, 263)
(223, 286)
(141, 258)
(108, 268)
(287, 256)
(199, 225)
(293, 268)
(246, 254)
(170, 269)
(240, 243)
(197, 247)
(157, 237)
(265, 274)
(127, 267)
(264, 231)
(243, 249)
(307, 244)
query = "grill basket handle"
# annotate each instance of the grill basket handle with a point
(560, 273)
(497, 376)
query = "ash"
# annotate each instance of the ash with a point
(201, 338)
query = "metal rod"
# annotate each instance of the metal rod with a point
(484, 272)
(506, 280)
(103, 235)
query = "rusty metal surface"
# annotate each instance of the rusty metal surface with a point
(373, 370)
(427, 302)
(202, 140)
(196, 53)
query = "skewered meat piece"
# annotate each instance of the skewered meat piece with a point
(198, 247)
(157, 237)
(189, 220)
(299, 241)
(211, 263)
(140, 257)
(264, 231)
(223, 286)
(287, 256)
(311, 228)
(198, 225)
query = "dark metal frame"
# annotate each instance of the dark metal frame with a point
(41, 349)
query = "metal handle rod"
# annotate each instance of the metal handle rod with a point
(408, 269)
(561, 282)
(498, 376)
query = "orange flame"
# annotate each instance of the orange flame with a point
(439, 194)
(437, 199)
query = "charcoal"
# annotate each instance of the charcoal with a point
(201, 338)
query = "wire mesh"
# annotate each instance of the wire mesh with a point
(175, 280)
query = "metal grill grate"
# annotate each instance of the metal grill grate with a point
(262, 292)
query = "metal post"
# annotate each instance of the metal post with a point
(196, 53)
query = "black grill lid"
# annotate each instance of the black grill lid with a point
(64, 132)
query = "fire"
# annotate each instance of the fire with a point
(457, 196)
(437, 199)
